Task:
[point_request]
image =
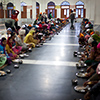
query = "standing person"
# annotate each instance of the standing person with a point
(40, 17)
(45, 17)
(50, 15)
(14, 16)
(72, 17)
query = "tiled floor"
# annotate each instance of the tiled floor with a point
(47, 73)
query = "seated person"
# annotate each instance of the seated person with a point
(95, 90)
(9, 32)
(94, 56)
(81, 39)
(15, 48)
(3, 43)
(30, 40)
(3, 64)
(9, 50)
(20, 40)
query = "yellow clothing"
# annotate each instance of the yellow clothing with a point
(9, 50)
(29, 38)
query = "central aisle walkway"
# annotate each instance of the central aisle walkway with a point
(47, 73)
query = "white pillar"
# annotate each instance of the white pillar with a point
(28, 13)
(43, 6)
(97, 12)
(92, 10)
(34, 10)
(88, 9)
(59, 13)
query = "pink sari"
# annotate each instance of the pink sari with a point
(17, 49)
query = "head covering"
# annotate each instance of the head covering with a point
(9, 29)
(87, 25)
(88, 30)
(81, 35)
(89, 22)
(90, 40)
(30, 25)
(43, 22)
(98, 46)
(32, 31)
(98, 69)
(87, 37)
(22, 32)
(96, 37)
(26, 25)
(23, 26)
(91, 33)
(29, 34)
(36, 26)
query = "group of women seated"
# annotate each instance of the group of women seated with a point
(20, 40)
(89, 41)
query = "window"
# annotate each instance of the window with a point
(79, 9)
(81, 13)
(51, 4)
(79, 6)
(67, 12)
(79, 3)
(76, 13)
(65, 3)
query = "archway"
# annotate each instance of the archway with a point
(65, 9)
(9, 11)
(80, 11)
(1, 11)
(23, 10)
(51, 8)
(37, 9)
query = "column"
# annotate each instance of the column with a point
(59, 13)
(97, 12)
(88, 9)
(43, 6)
(92, 10)
(33, 10)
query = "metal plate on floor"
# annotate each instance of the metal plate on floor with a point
(81, 89)
(83, 75)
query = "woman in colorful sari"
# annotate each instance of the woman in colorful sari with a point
(15, 48)
(3, 43)
(3, 64)
(9, 48)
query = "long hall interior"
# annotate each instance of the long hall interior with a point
(49, 50)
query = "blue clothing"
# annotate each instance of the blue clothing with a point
(2, 51)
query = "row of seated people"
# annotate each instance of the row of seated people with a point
(21, 40)
(89, 40)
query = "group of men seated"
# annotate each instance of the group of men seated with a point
(89, 41)
(21, 39)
